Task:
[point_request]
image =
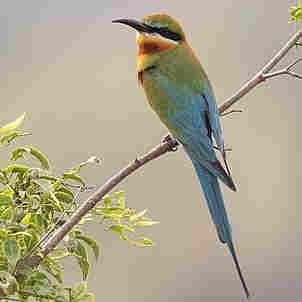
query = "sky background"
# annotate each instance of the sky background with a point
(74, 73)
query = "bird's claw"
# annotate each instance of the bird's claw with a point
(171, 141)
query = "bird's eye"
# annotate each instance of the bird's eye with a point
(167, 33)
(164, 31)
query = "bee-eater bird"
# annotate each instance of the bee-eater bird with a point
(180, 93)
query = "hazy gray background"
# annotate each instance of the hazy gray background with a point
(74, 73)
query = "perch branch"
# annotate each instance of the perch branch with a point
(260, 76)
(168, 145)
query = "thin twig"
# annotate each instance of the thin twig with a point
(259, 77)
(230, 112)
(275, 74)
(295, 75)
(285, 71)
(290, 66)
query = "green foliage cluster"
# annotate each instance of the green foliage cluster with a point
(33, 204)
(296, 12)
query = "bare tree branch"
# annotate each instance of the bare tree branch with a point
(260, 76)
(290, 66)
(166, 146)
(286, 71)
(230, 112)
(295, 75)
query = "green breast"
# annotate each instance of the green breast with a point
(160, 101)
(172, 81)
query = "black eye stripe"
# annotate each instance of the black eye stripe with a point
(165, 32)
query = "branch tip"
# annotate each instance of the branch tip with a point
(230, 112)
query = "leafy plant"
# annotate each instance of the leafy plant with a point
(34, 202)
(296, 12)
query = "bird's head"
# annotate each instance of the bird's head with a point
(156, 33)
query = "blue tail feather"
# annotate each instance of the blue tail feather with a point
(218, 213)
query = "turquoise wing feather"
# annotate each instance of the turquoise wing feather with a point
(193, 121)
(192, 117)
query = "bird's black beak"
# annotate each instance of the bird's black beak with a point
(139, 26)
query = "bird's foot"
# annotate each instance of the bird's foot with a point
(225, 150)
(171, 141)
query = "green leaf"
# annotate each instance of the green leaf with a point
(40, 284)
(49, 178)
(52, 267)
(20, 234)
(13, 125)
(16, 169)
(40, 157)
(75, 177)
(5, 200)
(89, 297)
(64, 197)
(80, 250)
(92, 243)
(107, 200)
(296, 12)
(8, 285)
(82, 258)
(65, 190)
(4, 267)
(11, 251)
(46, 186)
(79, 290)
(3, 234)
(7, 214)
(7, 139)
(146, 241)
(26, 219)
(3, 179)
(122, 202)
(144, 223)
(117, 229)
(127, 228)
(39, 221)
(8, 191)
(135, 217)
(20, 152)
(113, 211)
(30, 242)
(143, 242)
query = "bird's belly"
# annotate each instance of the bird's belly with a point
(164, 99)
(182, 111)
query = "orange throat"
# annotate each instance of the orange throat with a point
(150, 49)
